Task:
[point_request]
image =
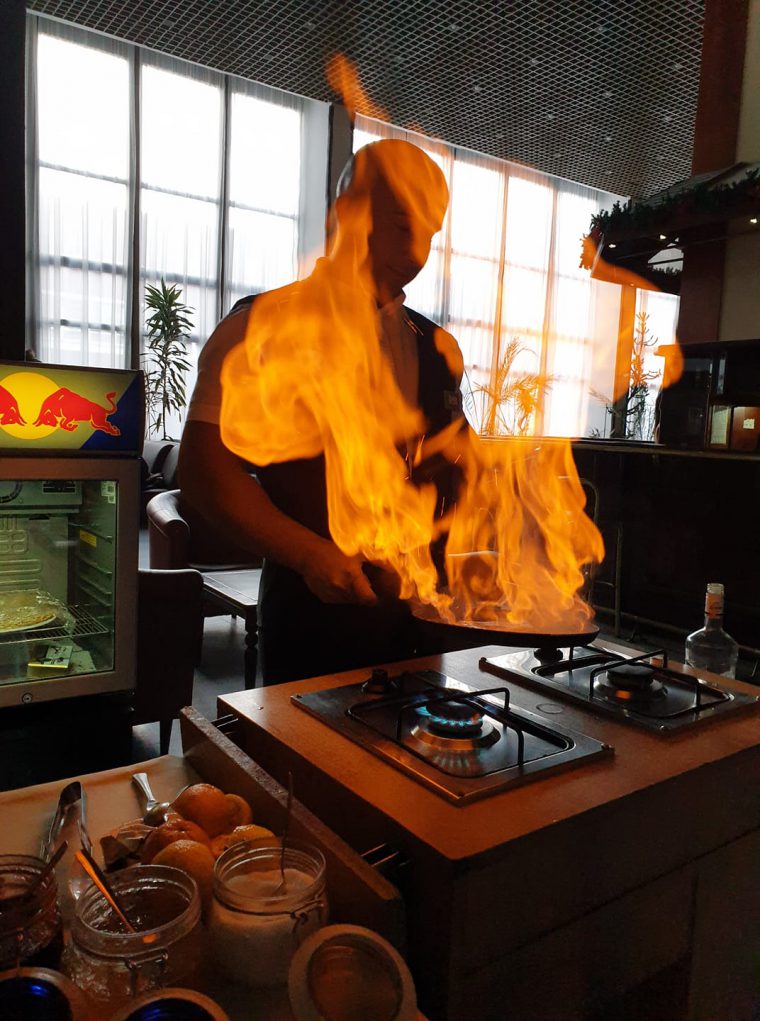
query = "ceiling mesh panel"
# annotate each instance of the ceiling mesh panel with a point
(599, 91)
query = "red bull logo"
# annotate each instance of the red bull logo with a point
(9, 410)
(33, 406)
(67, 409)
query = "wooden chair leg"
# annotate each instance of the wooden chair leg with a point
(164, 734)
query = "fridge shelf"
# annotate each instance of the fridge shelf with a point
(86, 625)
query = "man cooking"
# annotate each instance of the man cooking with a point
(318, 611)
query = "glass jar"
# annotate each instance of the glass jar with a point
(258, 922)
(41, 994)
(112, 966)
(172, 1005)
(31, 933)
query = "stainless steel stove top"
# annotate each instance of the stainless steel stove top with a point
(460, 741)
(640, 689)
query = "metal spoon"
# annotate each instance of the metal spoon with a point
(155, 811)
(100, 880)
(286, 827)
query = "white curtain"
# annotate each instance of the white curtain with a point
(181, 158)
(80, 196)
(143, 167)
(503, 276)
(265, 146)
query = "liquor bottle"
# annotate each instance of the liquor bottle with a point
(711, 648)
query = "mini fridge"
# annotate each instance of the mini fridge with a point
(70, 444)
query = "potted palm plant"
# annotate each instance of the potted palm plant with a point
(165, 358)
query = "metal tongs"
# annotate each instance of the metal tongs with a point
(71, 810)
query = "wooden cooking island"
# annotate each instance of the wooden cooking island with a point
(627, 887)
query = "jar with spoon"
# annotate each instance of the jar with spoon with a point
(112, 964)
(267, 900)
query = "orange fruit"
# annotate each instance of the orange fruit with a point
(240, 811)
(205, 805)
(193, 858)
(168, 833)
(260, 836)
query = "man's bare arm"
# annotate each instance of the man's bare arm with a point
(216, 484)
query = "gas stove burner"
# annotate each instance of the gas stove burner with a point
(642, 689)
(631, 682)
(461, 741)
(453, 727)
(452, 719)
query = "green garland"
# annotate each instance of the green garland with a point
(702, 198)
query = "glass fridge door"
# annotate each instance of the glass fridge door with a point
(60, 574)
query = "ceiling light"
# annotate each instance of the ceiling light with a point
(612, 245)
(753, 219)
(663, 237)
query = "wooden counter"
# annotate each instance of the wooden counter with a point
(561, 896)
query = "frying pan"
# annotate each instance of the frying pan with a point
(472, 635)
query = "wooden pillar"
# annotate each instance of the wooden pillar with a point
(12, 181)
(626, 330)
(715, 136)
(720, 85)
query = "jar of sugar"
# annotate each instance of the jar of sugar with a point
(264, 906)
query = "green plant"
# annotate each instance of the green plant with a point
(512, 398)
(165, 362)
(639, 413)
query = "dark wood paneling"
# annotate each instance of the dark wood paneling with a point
(686, 521)
(701, 293)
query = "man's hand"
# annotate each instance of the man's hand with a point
(335, 578)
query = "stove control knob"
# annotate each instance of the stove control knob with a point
(379, 683)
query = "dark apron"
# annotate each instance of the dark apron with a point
(299, 635)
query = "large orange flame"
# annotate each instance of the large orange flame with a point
(312, 378)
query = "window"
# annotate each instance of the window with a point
(264, 187)
(83, 201)
(503, 276)
(145, 167)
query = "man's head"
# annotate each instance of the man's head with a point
(395, 196)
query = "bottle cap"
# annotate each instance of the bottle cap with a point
(714, 599)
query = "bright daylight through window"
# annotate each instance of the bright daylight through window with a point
(538, 335)
(169, 170)
(216, 212)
